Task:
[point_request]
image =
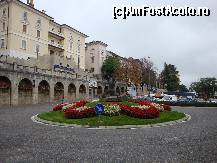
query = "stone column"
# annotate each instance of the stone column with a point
(14, 93)
(87, 92)
(35, 94)
(51, 92)
(91, 92)
(95, 91)
(65, 91)
(77, 95)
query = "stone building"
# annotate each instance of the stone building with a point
(44, 61)
(26, 32)
(95, 56)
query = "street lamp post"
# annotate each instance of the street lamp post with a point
(149, 78)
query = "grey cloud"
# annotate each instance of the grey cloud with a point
(188, 42)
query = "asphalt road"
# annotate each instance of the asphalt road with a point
(22, 140)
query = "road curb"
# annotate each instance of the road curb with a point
(38, 120)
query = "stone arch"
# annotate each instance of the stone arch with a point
(25, 92)
(58, 91)
(106, 89)
(43, 92)
(72, 92)
(118, 91)
(122, 90)
(99, 91)
(5, 91)
(82, 91)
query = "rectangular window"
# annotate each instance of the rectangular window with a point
(38, 33)
(92, 59)
(25, 16)
(4, 11)
(2, 43)
(37, 49)
(24, 28)
(24, 44)
(92, 70)
(3, 26)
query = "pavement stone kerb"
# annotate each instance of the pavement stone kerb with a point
(38, 120)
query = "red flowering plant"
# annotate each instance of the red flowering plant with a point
(69, 106)
(166, 107)
(160, 107)
(59, 107)
(79, 113)
(151, 112)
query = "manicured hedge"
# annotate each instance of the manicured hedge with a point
(196, 104)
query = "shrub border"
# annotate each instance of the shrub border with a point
(38, 120)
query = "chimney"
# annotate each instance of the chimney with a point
(30, 3)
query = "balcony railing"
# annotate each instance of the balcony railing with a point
(54, 44)
(59, 34)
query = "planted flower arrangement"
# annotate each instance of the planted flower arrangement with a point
(113, 113)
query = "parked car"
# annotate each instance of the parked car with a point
(212, 100)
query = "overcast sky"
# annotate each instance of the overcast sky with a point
(188, 42)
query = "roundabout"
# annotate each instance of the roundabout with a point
(107, 115)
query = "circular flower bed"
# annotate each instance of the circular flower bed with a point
(85, 109)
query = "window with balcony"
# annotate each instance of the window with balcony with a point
(2, 43)
(23, 46)
(24, 28)
(38, 33)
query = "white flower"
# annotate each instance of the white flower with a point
(68, 106)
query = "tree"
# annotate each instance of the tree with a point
(129, 71)
(149, 74)
(205, 88)
(109, 67)
(183, 88)
(170, 77)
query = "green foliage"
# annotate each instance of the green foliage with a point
(183, 88)
(109, 66)
(205, 88)
(170, 77)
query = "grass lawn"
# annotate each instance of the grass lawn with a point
(121, 120)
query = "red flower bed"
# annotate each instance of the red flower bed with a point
(166, 107)
(151, 112)
(59, 107)
(76, 105)
(74, 114)
(147, 103)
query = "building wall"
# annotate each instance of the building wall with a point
(3, 19)
(97, 50)
(16, 34)
(76, 39)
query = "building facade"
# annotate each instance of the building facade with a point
(26, 32)
(95, 56)
(44, 61)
